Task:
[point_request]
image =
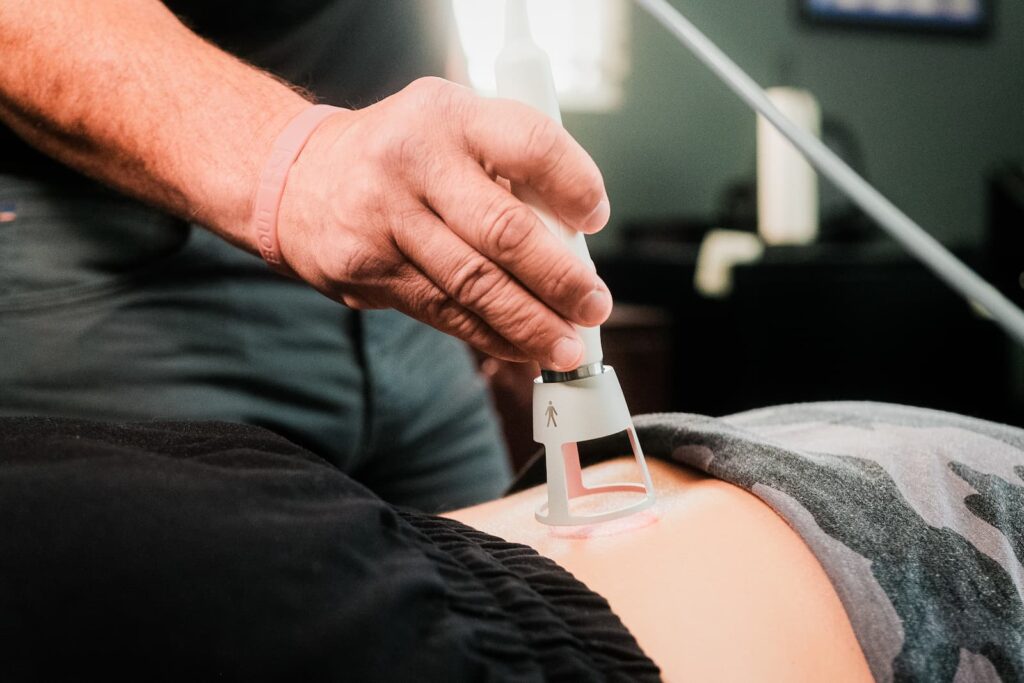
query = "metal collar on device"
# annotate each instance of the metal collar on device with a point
(582, 372)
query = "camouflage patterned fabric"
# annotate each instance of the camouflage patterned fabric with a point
(917, 516)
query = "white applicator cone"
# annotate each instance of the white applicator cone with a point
(586, 403)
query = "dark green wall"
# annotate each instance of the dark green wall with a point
(933, 115)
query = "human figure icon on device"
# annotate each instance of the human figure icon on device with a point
(551, 413)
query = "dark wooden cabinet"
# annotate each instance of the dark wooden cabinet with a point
(825, 322)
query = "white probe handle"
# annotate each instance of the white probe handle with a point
(524, 74)
(591, 336)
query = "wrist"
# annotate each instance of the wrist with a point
(270, 190)
(311, 194)
(239, 187)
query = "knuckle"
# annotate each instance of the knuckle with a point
(464, 325)
(588, 189)
(435, 308)
(474, 281)
(519, 322)
(562, 166)
(543, 140)
(507, 225)
(419, 298)
(401, 150)
(407, 223)
(428, 85)
(433, 93)
(412, 142)
(361, 266)
(523, 330)
(563, 283)
(448, 315)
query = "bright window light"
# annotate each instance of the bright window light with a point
(587, 40)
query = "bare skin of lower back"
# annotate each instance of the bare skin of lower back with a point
(712, 583)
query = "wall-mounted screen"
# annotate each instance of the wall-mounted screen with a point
(967, 17)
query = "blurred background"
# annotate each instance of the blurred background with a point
(923, 97)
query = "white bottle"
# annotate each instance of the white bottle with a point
(787, 186)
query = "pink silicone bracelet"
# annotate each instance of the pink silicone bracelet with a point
(275, 174)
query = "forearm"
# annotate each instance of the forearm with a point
(122, 91)
(394, 206)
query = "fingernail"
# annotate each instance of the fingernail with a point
(598, 218)
(566, 353)
(595, 307)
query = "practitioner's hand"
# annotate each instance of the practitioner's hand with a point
(402, 205)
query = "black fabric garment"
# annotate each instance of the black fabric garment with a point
(347, 52)
(196, 551)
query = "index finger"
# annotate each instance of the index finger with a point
(527, 147)
(509, 233)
